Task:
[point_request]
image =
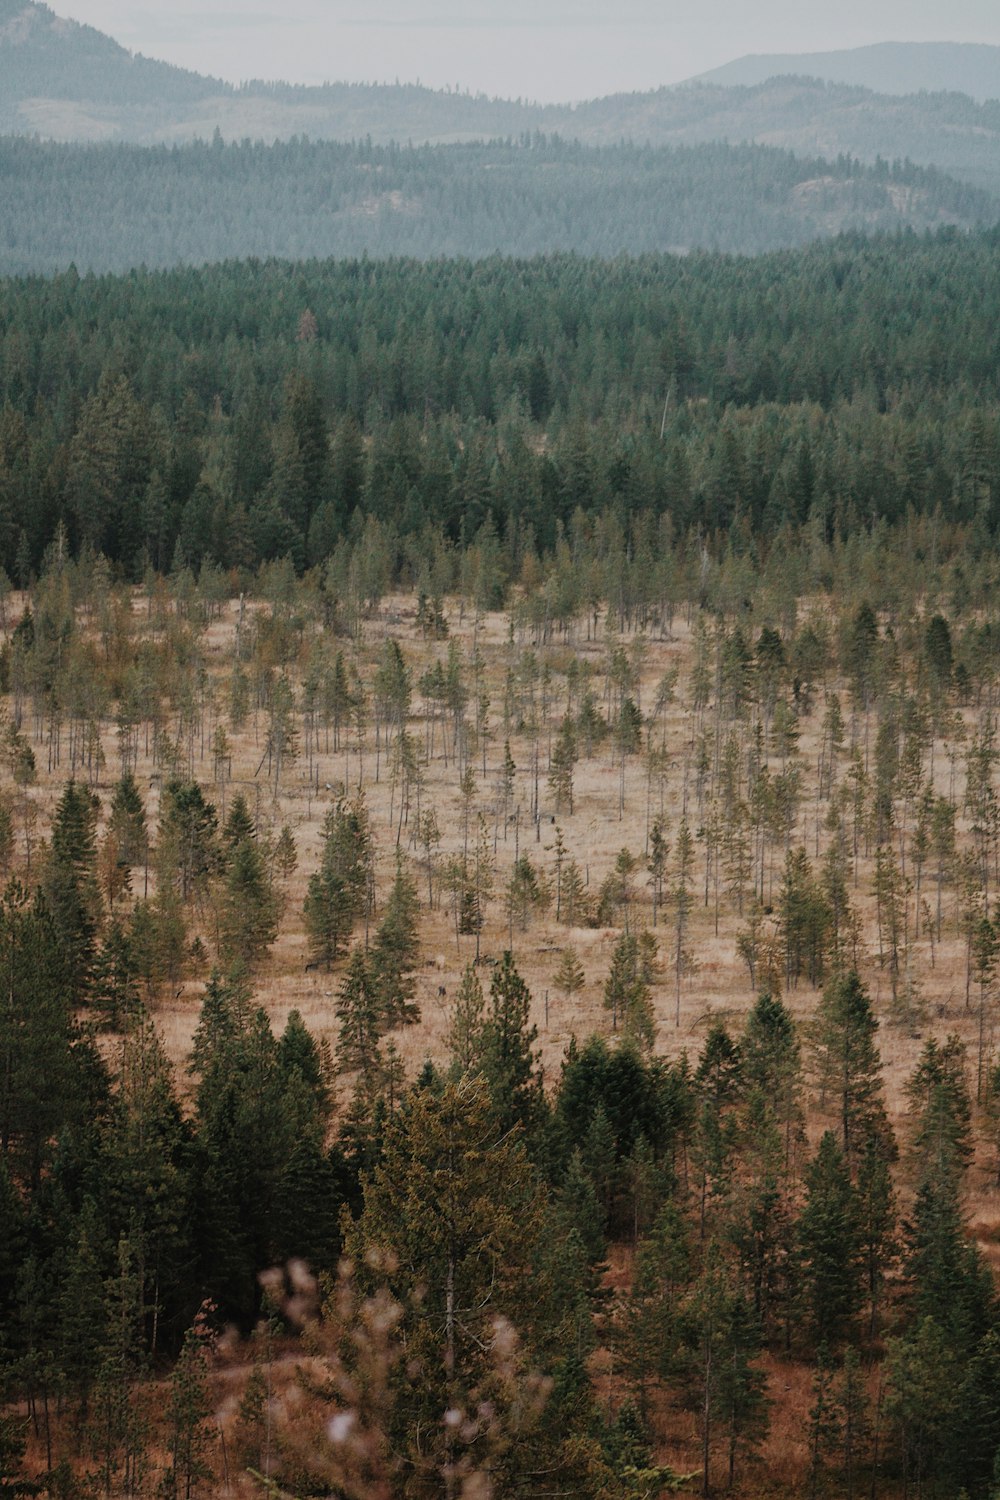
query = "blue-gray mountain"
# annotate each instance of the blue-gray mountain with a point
(68, 82)
(886, 68)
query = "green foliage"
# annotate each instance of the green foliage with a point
(509, 1063)
(676, 314)
(338, 891)
(188, 1411)
(849, 1062)
(70, 881)
(187, 852)
(455, 1211)
(43, 1087)
(248, 922)
(829, 1249)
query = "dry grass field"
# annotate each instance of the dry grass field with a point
(612, 810)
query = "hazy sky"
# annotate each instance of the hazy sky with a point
(542, 49)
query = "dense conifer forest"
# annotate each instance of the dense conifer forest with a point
(106, 208)
(256, 410)
(500, 835)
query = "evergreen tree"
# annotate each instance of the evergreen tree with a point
(337, 892)
(561, 765)
(727, 1391)
(188, 843)
(70, 884)
(828, 1239)
(455, 1211)
(362, 1018)
(681, 899)
(569, 978)
(465, 1031)
(509, 1062)
(239, 827)
(42, 1080)
(187, 1415)
(127, 819)
(248, 922)
(849, 1063)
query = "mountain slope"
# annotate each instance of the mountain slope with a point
(885, 68)
(43, 56)
(111, 208)
(67, 82)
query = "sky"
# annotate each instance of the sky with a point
(547, 50)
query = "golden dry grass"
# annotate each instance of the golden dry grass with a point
(593, 835)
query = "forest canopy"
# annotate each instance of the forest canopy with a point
(257, 410)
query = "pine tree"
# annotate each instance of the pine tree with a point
(718, 1082)
(508, 1059)
(849, 1063)
(286, 856)
(396, 950)
(922, 1392)
(81, 1309)
(188, 843)
(852, 1399)
(569, 978)
(656, 864)
(948, 1279)
(338, 891)
(772, 1067)
(561, 765)
(526, 893)
(301, 1060)
(41, 1084)
(829, 1245)
(728, 1392)
(13, 1446)
(454, 1212)
(572, 896)
(627, 992)
(187, 1415)
(361, 1014)
(70, 881)
(128, 820)
(941, 1111)
(681, 900)
(239, 826)
(825, 1425)
(465, 1030)
(876, 1222)
(248, 922)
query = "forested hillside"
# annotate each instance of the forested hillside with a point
(111, 208)
(247, 411)
(44, 56)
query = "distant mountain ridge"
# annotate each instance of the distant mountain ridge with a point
(67, 82)
(43, 55)
(885, 67)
